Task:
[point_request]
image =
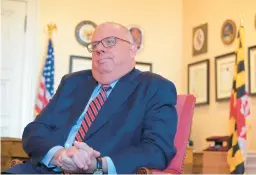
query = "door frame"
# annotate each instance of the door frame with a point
(30, 67)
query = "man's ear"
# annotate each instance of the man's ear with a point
(133, 50)
(133, 47)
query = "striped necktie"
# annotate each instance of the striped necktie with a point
(92, 112)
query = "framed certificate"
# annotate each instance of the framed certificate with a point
(224, 72)
(142, 66)
(198, 81)
(78, 63)
(252, 69)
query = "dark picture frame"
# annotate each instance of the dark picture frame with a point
(200, 39)
(224, 72)
(143, 66)
(228, 32)
(252, 70)
(77, 63)
(198, 81)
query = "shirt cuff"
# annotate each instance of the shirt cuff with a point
(111, 166)
(48, 157)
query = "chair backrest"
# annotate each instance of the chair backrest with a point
(185, 109)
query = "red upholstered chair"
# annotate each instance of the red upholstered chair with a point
(185, 109)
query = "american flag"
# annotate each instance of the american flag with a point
(46, 83)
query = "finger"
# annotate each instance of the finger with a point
(78, 163)
(80, 158)
(81, 145)
(85, 167)
(67, 161)
(85, 147)
(89, 162)
(64, 167)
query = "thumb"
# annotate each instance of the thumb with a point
(81, 145)
(77, 144)
(96, 153)
(70, 152)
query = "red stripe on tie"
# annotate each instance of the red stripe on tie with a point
(93, 108)
(85, 126)
(89, 111)
(97, 103)
(101, 100)
(88, 121)
(104, 95)
(82, 132)
(78, 138)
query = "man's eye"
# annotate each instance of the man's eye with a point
(94, 46)
(110, 41)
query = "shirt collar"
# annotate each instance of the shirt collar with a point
(98, 88)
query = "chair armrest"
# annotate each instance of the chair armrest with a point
(15, 162)
(144, 170)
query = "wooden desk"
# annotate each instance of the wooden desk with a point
(215, 162)
(11, 148)
(197, 163)
(193, 162)
(188, 162)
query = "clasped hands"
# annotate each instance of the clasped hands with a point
(80, 158)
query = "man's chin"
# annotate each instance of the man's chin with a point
(105, 70)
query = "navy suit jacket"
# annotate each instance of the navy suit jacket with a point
(135, 127)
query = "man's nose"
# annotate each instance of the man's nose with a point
(100, 48)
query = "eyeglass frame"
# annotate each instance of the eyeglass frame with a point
(98, 42)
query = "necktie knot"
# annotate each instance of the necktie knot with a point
(106, 87)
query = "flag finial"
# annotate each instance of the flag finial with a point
(50, 28)
(241, 19)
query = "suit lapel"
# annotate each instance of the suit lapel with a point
(82, 95)
(117, 97)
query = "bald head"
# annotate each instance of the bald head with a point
(112, 29)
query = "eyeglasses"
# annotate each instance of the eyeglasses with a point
(106, 42)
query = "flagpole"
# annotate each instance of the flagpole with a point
(241, 20)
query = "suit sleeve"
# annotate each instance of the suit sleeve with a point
(35, 139)
(156, 148)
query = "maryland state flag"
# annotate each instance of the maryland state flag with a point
(239, 111)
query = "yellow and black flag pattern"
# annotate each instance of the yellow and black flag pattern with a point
(239, 111)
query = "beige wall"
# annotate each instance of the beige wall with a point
(167, 25)
(161, 21)
(213, 119)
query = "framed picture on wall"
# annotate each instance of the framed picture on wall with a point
(228, 32)
(142, 66)
(78, 63)
(224, 71)
(252, 69)
(200, 39)
(198, 81)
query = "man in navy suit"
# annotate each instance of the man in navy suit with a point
(111, 119)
